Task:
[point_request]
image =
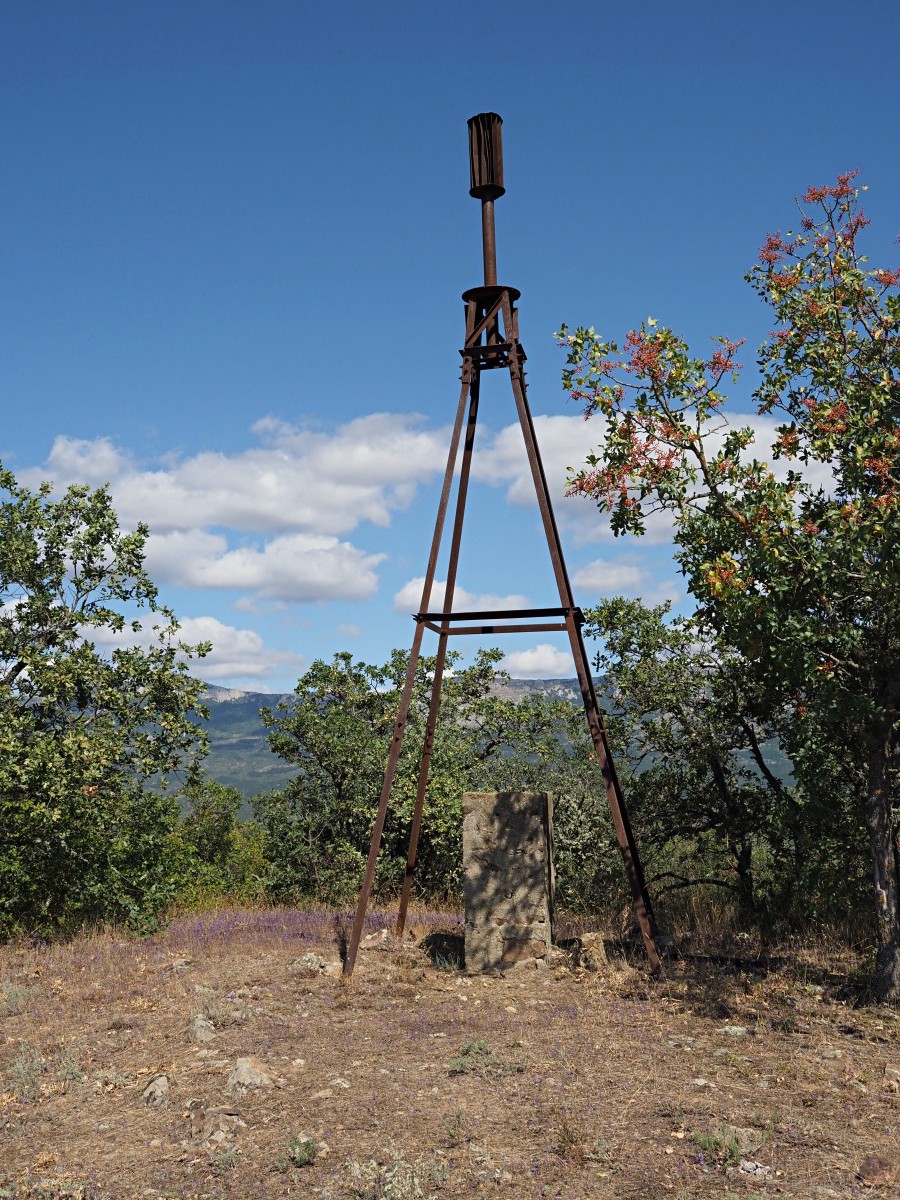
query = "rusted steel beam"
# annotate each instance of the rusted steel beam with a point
(499, 614)
(560, 627)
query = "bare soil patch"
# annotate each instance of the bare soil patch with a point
(724, 1079)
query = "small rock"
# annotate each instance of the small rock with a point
(246, 1074)
(700, 1082)
(735, 1030)
(592, 952)
(221, 1124)
(322, 1095)
(309, 962)
(760, 1170)
(832, 1054)
(892, 1074)
(338, 1082)
(381, 939)
(876, 1171)
(748, 1140)
(201, 1029)
(156, 1093)
(196, 1112)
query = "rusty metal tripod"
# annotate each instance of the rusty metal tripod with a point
(492, 342)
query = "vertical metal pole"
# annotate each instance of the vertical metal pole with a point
(435, 704)
(489, 243)
(406, 697)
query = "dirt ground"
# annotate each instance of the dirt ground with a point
(726, 1078)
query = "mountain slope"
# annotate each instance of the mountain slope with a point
(239, 754)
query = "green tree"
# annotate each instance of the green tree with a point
(89, 736)
(210, 819)
(337, 730)
(711, 792)
(800, 577)
(227, 854)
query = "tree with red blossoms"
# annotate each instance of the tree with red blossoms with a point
(801, 577)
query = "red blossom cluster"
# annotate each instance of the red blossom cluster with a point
(772, 250)
(827, 420)
(887, 278)
(858, 221)
(841, 191)
(785, 280)
(788, 441)
(887, 499)
(644, 356)
(879, 466)
(723, 360)
(647, 458)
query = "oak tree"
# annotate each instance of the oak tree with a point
(97, 714)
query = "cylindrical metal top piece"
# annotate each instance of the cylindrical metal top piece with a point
(486, 156)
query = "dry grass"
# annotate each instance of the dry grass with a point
(421, 1081)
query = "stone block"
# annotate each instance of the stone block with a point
(507, 878)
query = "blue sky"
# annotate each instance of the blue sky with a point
(235, 236)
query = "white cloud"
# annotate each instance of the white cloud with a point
(300, 567)
(563, 443)
(540, 662)
(603, 578)
(235, 652)
(290, 496)
(317, 481)
(409, 598)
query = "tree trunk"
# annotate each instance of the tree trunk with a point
(743, 858)
(883, 840)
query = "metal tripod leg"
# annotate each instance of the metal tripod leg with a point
(406, 697)
(435, 703)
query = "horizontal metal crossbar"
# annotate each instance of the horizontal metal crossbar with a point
(546, 627)
(499, 614)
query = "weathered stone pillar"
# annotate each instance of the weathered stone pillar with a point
(507, 877)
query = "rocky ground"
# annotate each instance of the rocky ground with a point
(225, 1058)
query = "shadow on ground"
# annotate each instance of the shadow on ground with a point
(447, 950)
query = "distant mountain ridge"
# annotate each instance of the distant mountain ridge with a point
(239, 754)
